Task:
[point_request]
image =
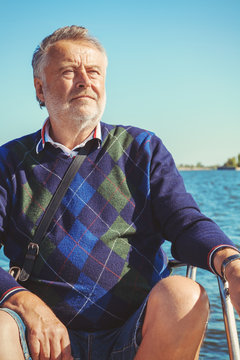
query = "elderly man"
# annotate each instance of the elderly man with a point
(100, 285)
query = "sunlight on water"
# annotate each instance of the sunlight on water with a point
(218, 195)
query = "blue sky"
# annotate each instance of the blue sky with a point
(174, 68)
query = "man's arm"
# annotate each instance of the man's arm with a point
(193, 235)
(232, 274)
(47, 336)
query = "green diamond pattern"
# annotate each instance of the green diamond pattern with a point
(120, 246)
(35, 200)
(115, 150)
(115, 189)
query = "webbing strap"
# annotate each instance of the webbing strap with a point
(33, 247)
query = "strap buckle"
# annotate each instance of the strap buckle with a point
(15, 271)
(33, 250)
(22, 274)
(32, 253)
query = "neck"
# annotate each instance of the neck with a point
(70, 137)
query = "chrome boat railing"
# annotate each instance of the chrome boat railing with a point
(227, 308)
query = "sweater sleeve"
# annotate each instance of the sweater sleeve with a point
(193, 235)
(8, 285)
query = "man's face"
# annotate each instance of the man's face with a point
(72, 83)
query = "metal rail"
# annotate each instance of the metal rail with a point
(227, 308)
(229, 320)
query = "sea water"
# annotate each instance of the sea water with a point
(218, 195)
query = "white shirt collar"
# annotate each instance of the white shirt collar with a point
(45, 137)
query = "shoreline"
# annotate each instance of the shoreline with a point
(183, 168)
(194, 168)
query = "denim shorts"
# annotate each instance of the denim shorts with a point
(117, 344)
(22, 331)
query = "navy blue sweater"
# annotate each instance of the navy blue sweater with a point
(102, 253)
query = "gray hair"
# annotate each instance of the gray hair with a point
(73, 32)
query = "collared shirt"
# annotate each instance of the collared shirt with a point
(45, 137)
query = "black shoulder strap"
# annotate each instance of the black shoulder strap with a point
(33, 247)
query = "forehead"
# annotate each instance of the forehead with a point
(70, 51)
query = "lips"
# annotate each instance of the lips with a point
(83, 97)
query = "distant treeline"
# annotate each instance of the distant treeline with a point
(231, 162)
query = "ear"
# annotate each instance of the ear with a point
(39, 89)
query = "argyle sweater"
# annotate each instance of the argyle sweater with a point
(102, 253)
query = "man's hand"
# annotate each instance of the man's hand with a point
(47, 337)
(232, 274)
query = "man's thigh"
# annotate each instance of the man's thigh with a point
(22, 331)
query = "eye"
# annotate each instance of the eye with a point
(68, 72)
(94, 72)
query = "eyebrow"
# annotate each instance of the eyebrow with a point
(73, 65)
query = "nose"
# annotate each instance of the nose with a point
(82, 79)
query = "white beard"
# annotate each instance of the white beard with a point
(71, 115)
